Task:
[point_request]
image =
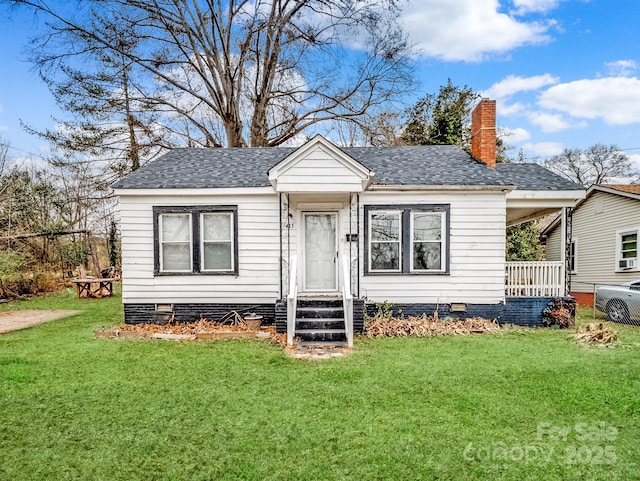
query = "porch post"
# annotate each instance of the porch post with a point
(565, 249)
(569, 239)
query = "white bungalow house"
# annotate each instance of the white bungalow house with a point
(278, 231)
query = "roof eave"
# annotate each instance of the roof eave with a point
(454, 187)
(192, 191)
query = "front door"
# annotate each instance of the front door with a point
(320, 251)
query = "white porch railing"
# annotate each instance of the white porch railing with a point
(292, 301)
(534, 279)
(347, 300)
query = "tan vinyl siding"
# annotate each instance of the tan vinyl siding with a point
(595, 223)
(554, 241)
(477, 260)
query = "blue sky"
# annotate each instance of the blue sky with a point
(565, 73)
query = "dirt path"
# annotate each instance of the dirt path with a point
(15, 320)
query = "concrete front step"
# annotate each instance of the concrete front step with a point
(320, 320)
(322, 344)
(319, 324)
(330, 335)
(319, 312)
(328, 302)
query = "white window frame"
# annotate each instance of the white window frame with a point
(398, 213)
(162, 242)
(442, 240)
(619, 234)
(230, 241)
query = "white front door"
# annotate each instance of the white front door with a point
(320, 251)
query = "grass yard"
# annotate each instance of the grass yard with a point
(518, 406)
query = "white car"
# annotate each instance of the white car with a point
(621, 303)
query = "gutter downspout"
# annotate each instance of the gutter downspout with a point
(288, 235)
(281, 256)
(358, 244)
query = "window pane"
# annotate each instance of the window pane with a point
(427, 256)
(630, 246)
(176, 256)
(385, 226)
(385, 256)
(216, 227)
(217, 256)
(427, 226)
(175, 227)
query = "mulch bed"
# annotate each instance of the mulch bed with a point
(427, 326)
(200, 330)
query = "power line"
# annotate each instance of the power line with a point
(9, 146)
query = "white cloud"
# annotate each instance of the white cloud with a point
(635, 159)
(468, 30)
(548, 122)
(31, 164)
(544, 149)
(621, 68)
(513, 84)
(2, 126)
(527, 6)
(515, 136)
(616, 100)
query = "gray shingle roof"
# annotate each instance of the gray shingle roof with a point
(206, 168)
(438, 165)
(535, 177)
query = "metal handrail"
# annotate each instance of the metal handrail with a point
(292, 301)
(347, 300)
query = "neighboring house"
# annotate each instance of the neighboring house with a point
(604, 247)
(278, 230)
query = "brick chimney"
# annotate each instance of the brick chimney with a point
(483, 132)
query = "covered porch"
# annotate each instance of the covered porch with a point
(319, 187)
(540, 278)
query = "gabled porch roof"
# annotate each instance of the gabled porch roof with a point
(319, 166)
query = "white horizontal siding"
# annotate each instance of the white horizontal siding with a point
(596, 240)
(477, 251)
(477, 243)
(319, 171)
(258, 278)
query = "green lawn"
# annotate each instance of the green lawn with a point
(519, 405)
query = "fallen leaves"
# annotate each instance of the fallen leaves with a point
(426, 326)
(202, 329)
(596, 334)
(197, 327)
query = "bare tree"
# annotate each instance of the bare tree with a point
(4, 159)
(384, 129)
(258, 72)
(596, 165)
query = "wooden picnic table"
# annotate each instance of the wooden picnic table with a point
(95, 288)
